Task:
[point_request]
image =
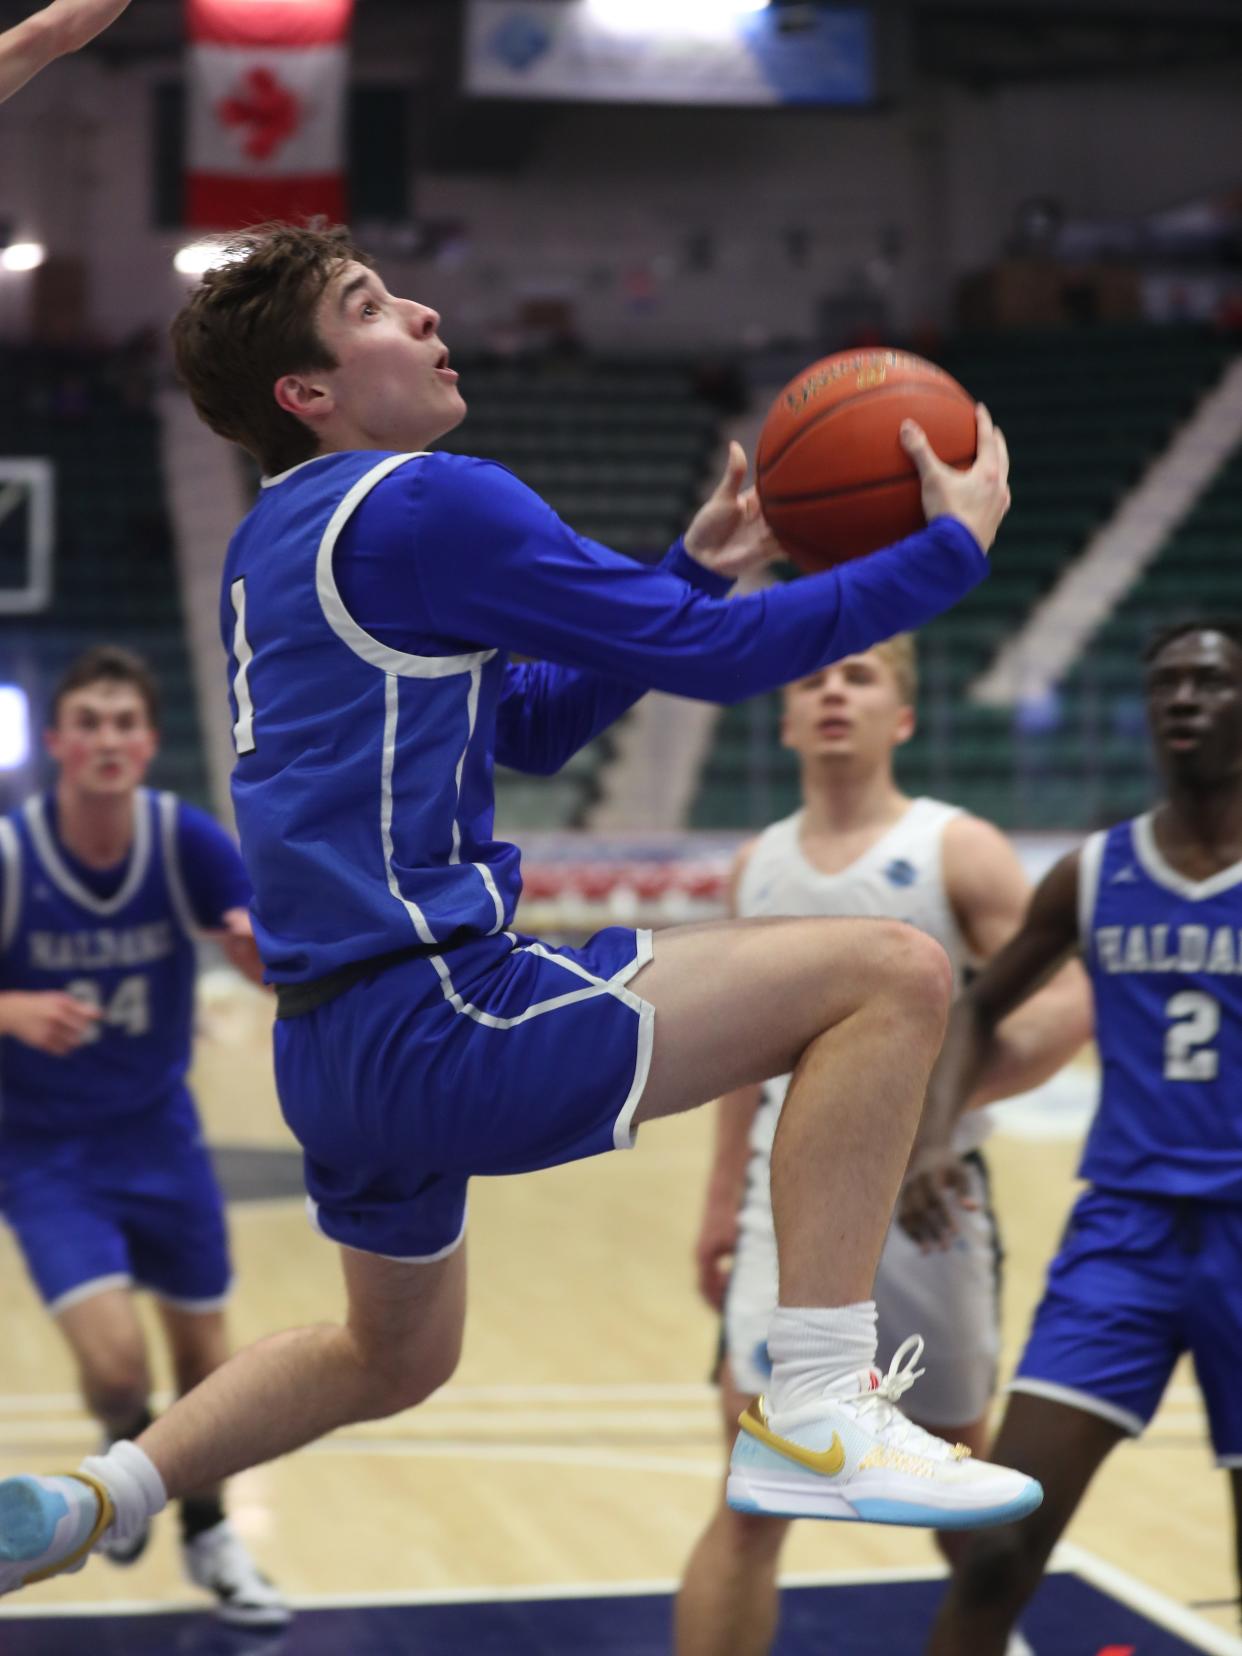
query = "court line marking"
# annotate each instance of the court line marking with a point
(687, 1392)
(1148, 1601)
(480, 1595)
(536, 1454)
(1068, 1558)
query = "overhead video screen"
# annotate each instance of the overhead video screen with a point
(739, 52)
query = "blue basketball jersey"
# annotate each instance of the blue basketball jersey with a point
(129, 954)
(1165, 958)
(363, 786)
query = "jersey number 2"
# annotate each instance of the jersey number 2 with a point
(1188, 1051)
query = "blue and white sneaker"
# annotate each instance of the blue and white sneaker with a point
(854, 1455)
(49, 1526)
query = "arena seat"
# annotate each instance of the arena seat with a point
(621, 451)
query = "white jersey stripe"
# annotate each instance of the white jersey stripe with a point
(472, 714)
(342, 622)
(1089, 863)
(243, 655)
(11, 862)
(417, 917)
(173, 878)
(595, 985)
(59, 874)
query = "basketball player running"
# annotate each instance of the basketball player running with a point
(103, 1174)
(368, 602)
(859, 846)
(64, 26)
(1151, 1263)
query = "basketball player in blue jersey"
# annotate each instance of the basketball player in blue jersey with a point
(369, 604)
(1151, 1263)
(858, 845)
(104, 1179)
(64, 26)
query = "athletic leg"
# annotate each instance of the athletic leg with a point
(729, 1601)
(1063, 1447)
(1235, 1485)
(733, 1003)
(213, 1555)
(404, 1329)
(198, 1345)
(856, 1010)
(399, 1343)
(107, 1342)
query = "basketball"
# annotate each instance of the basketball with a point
(833, 478)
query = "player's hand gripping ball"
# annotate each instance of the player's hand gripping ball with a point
(834, 481)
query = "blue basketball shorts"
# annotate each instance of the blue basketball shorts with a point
(498, 1057)
(1138, 1281)
(129, 1203)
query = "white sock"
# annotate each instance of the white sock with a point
(811, 1348)
(136, 1488)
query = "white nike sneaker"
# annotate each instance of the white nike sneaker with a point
(217, 1561)
(48, 1526)
(854, 1455)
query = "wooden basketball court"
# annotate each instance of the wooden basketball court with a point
(579, 1443)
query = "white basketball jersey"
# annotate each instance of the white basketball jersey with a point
(901, 877)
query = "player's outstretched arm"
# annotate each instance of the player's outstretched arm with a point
(990, 893)
(1046, 940)
(62, 27)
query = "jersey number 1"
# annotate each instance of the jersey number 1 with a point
(243, 729)
(1188, 1051)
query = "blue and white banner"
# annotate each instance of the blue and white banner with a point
(669, 51)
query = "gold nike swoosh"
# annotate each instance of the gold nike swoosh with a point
(826, 1462)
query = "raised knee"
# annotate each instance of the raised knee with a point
(396, 1385)
(914, 969)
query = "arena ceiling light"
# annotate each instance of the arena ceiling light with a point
(23, 256)
(670, 17)
(197, 257)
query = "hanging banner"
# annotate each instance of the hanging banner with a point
(267, 81)
(647, 51)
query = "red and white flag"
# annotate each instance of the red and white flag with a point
(267, 85)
